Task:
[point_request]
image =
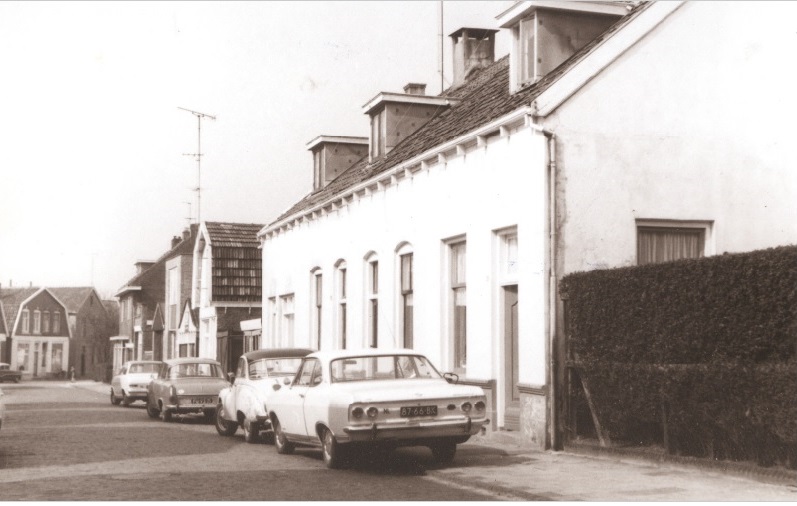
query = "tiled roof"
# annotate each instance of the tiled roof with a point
(485, 97)
(72, 297)
(12, 298)
(241, 235)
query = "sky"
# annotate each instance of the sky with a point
(97, 165)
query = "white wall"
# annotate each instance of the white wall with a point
(693, 123)
(487, 189)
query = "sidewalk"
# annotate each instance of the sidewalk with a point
(498, 463)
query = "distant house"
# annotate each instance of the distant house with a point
(613, 134)
(138, 300)
(37, 332)
(188, 331)
(226, 287)
(91, 326)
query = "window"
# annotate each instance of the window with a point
(667, 241)
(406, 299)
(46, 322)
(317, 303)
(37, 322)
(318, 171)
(272, 311)
(372, 305)
(457, 257)
(56, 322)
(187, 350)
(311, 369)
(527, 50)
(25, 321)
(340, 290)
(286, 301)
(378, 134)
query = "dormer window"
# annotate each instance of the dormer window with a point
(378, 134)
(333, 155)
(545, 34)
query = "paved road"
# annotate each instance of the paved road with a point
(62, 442)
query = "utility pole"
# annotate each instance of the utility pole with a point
(198, 155)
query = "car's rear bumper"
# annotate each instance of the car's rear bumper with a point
(412, 429)
(190, 408)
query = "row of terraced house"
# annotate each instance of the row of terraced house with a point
(613, 134)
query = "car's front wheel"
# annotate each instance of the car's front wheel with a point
(224, 427)
(281, 443)
(331, 450)
(166, 415)
(114, 400)
(126, 401)
(444, 451)
(152, 411)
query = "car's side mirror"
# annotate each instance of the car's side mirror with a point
(276, 386)
(451, 377)
(231, 377)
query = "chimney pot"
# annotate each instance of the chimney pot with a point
(175, 241)
(473, 48)
(186, 234)
(415, 89)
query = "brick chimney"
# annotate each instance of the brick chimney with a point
(175, 241)
(186, 234)
(473, 48)
(415, 89)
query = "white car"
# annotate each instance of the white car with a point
(131, 380)
(244, 402)
(378, 398)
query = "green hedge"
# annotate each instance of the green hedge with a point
(699, 353)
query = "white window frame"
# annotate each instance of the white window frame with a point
(371, 301)
(26, 321)
(57, 322)
(37, 321)
(317, 305)
(402, 292)
(451, 288)
(341, 307)
(706, 226)
(287, 319)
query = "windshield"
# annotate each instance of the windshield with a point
(143, 368)
(386, 367)
(273, 367)
(194, 371)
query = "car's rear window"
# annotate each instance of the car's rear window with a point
(384, 367)
(273, 367)
(194, 371)
(143, 368)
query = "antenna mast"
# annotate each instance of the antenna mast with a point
(442, 45)
(188, 218)
(198, 155)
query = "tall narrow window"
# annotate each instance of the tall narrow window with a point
(56, 322)
(287, 320)
(37, 322)
(373, 302)
(341, 302)
(46, 322)
(272, 329)
(25, 321)
(317, 306)
(407, 299)
(527, 51)
(458, 305)
(378, 134)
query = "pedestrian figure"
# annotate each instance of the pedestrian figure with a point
(72, 374)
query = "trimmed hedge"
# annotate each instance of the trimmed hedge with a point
(698, 354)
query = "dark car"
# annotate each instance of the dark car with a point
(185, 385)
(6, 374)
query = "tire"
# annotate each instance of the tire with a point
(166, 416)
(267, 437)
(444, 452)
(114, 400)
(331, 450)
(151, 411)
(281, 443)
(16, 379)
(126, 401)
(224, 427)
(251, 435)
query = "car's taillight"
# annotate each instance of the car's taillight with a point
(357, 412)
(480, 406)
(466, 407)
(372, 412)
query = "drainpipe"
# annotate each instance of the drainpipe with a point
(552, 290)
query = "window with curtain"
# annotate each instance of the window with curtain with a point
(665, 244)
(458, 305)
(317, 304)
(373, 303)
(341, 302)
(37, 322)
(407, 299)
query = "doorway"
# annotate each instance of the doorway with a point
(511, 359)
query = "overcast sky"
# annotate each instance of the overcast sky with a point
(93, 175)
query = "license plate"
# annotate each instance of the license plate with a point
(202, 400)
(418, 411)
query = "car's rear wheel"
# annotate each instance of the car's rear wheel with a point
(114, 400)
(251, 434)
(281, 443)
(444, 451)
(224, 427)
(331, 450)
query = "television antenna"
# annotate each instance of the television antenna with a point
(188, 218)
(198, 156)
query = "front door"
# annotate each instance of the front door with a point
(511, 375)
